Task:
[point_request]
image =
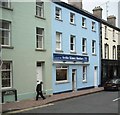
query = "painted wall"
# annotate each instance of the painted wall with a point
(67, 29)
(110, 41)
(23, 55)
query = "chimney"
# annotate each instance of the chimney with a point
(111, 20)
(97, 11)
(76, 3)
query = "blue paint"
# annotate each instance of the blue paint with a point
(74, 60)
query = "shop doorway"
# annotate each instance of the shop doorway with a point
(95, 76)
(74, 79)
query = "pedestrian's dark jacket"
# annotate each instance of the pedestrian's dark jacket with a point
(39, 87)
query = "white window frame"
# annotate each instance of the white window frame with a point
(106, 37)
(83, 22)
(84, 45)
(93, 26)
(38, 37)
(7, 70)
(106, 51)
(84, 76)
(72, 43)
(61, 67)
(39, 8)
(114, 52)
(58, 13)
(5, 30)
(5, 3)
(58, 41)
(93, 47)
(72, 18)
(113, 34)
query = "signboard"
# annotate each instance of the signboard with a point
(67, 57)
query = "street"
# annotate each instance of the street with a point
(102, 102)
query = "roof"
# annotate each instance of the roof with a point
(85, 13)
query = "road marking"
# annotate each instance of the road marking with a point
(116, 99)
(28, 109)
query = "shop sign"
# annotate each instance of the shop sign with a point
(66, 57)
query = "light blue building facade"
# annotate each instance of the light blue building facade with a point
(75, 49)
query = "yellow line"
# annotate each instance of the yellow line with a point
(28, 109)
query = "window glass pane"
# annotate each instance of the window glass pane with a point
(61, 74)
(6, 74)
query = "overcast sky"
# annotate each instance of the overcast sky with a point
(112, 7)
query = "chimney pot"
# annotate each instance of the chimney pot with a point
(76, 3)
(112, 20)
(97, 11)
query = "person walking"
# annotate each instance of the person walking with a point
(39, 91)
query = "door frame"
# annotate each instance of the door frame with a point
(95, 76)
(74, 77)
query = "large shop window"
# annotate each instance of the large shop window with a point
(6, 74)
(61, 73)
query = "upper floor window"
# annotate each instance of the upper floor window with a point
(113, 34)
(72, 18)
(72, 43)
(83, 22)
(58, 13)
(40, 8)
(114, 52)
(58, 40)
(106, 51)
(6, 74)
(106, 37)
(84, 47)
(84, 76)
(39, 38)
(5, 3)
(5, 33)
(93, 26)
(93, 46)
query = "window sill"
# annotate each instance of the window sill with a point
(114, 41)
(73, 24)
(84, 81)
(40, 17)
(84, 27)
(94, 55)
(106, 38)
(58, 50)
(59, 19)
(73, 52)
(84, 53)
(6, 8)
(8, 47)
(61, 82)
(40, 49)
(93, 30)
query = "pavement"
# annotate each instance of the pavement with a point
(31, 103)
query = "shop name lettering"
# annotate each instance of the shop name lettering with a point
(70, 58)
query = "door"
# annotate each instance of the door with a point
(39, 72)
(95, 77)
(74, 79)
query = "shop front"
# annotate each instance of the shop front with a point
(72, 72)
(110, 69)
